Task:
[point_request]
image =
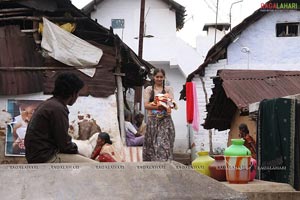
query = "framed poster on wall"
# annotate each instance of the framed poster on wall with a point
(21, 112)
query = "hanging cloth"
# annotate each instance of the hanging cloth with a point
(189, 102)
(69, 49)
(276, 140)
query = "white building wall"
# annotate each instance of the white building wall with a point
(267, 52)
(201, 138)
(103, 110)
(185, 57)
(156, 48)
(204, 43)
(265, 48)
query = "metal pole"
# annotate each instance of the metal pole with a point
(230, 11)
(141, 34)
(216, 22)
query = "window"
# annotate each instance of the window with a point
(287, 29)
(117, 23)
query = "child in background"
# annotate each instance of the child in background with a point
(140, 124)
(133, 138)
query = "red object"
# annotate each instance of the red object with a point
(189, 102)
(218, 168)
(102, 157)
(253, 168)
(106, 158)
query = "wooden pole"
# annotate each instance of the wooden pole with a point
(15, 10)
(60, 19)
(138, 89)
(16, 68)
(120, 99)
(141, 34)
(216, 22)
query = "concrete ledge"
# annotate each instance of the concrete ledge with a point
(273, 195)
(257, 189)
(261, 186)
(155, 180)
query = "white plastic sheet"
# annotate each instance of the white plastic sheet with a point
(69, 49)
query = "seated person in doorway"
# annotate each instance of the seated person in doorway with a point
(104, 150)
(133, 138)
(140, 125)
(249, 141)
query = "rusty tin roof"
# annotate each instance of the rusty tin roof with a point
(236, 89)
(24, 69)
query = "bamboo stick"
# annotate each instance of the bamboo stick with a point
(36, 35)
(48, 68)
(14, 10)
(11, 14)
(120, 98)
(61, 19)
(29, 30)
(20, 18)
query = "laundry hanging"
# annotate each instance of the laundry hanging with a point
(189, 102)
(278, 141)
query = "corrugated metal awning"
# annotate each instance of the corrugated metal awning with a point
(236, 89)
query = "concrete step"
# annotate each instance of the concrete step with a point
(183, 158)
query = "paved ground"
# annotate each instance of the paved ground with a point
(109, 181)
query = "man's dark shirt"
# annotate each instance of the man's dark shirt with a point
(47, 132)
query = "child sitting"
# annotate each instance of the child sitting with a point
(140, 125)
(133, 138)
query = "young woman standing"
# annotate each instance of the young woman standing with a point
(160, 133)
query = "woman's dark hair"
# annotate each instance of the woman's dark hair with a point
(105, 136)
(66, 84)
(157, 70)
(244, 128)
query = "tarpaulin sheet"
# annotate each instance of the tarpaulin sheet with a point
(70, 49)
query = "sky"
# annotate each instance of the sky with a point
(200, 12)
